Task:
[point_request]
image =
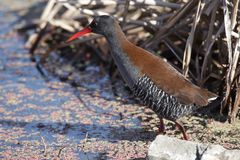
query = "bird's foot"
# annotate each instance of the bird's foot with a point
(161, 129)
(182, 129)
(186, 137)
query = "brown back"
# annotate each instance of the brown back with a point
(166, 77)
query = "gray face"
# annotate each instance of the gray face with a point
(102, 24)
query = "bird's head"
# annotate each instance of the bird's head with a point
(100, 25)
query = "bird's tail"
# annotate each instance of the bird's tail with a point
(211, 96)
(203, 97)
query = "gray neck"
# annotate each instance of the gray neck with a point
(127, 70)
(115, 46)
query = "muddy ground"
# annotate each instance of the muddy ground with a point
(46, 118)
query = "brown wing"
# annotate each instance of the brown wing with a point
(166, 77)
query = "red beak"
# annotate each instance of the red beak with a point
(79, 34)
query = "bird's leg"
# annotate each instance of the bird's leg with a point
(182, 129)
(161, 129)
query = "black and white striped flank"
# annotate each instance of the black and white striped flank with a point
(163, 104)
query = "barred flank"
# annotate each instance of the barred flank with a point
(163, 104)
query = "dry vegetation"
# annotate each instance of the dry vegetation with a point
(198, 37)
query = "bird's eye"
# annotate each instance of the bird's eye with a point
(94, 23)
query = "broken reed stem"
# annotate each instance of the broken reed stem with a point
(233, 114)
(207, 44)
(60, 151)
(45, 146)
(84, 143)
(126, 6)
(189, 44)
(228, 31)
(235, 59)
(234, 13)
(116, 2)
(177, 16)
(234, 109)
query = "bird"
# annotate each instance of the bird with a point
(152, 80)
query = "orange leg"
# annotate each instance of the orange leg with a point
(182, 129)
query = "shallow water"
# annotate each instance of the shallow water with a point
(46, 119)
